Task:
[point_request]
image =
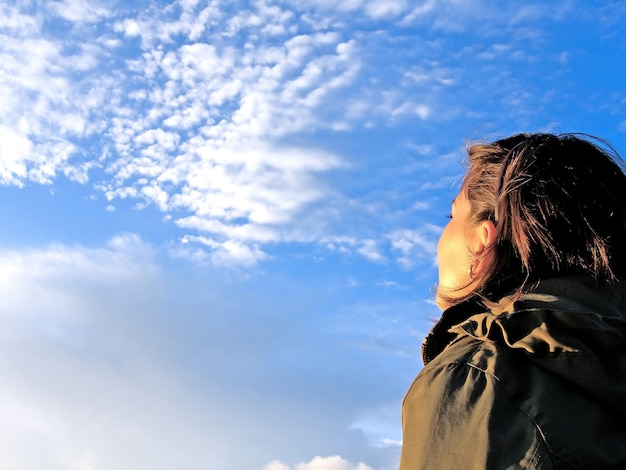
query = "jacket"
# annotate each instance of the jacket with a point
(536, 383)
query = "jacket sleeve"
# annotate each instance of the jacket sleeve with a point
(456, 416)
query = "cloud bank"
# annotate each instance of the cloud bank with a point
(109, 361)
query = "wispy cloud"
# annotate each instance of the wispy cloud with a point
(219, 114)
(413, 246)
(188, 108)
(207, 139)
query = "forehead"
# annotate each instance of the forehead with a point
(461, 206)
(461, 196)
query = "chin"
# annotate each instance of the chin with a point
(445, 298)
(440, 300)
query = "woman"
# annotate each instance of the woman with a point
(527, 366)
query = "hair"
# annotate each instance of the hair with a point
(558, 203)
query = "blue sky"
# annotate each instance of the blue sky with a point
(220, 218)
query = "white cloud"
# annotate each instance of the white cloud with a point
(226, 253)
(108, 355)
(276, 465)
(197, 131)
(408, 247)
(245, 193)
(413, 246)
(129, 27)
(409, 108)
(113, 263)
(431, 75)
(83, 388)
(14, 152)
(334, 462)
(45, 102)
(208, 112)
(369, 249)
(347, 5)
(79, 11)
(385, 8)
(420, 10)
(204, 144)
(331, 463)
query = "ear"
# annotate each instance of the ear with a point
(487, 233)
(484, 236)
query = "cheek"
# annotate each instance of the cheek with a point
(441, 245)
(452, 256)
(447, 243)
(443, 251)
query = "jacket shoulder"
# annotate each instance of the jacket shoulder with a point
(458, 414)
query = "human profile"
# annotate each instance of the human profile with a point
(526, 368)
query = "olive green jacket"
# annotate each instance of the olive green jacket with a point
(539, 383)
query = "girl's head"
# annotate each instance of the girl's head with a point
(538, 206)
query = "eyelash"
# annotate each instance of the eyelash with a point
(449, 216)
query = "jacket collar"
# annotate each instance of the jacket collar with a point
(440, 335)
(573, 294)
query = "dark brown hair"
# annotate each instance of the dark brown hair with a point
(558, 203)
